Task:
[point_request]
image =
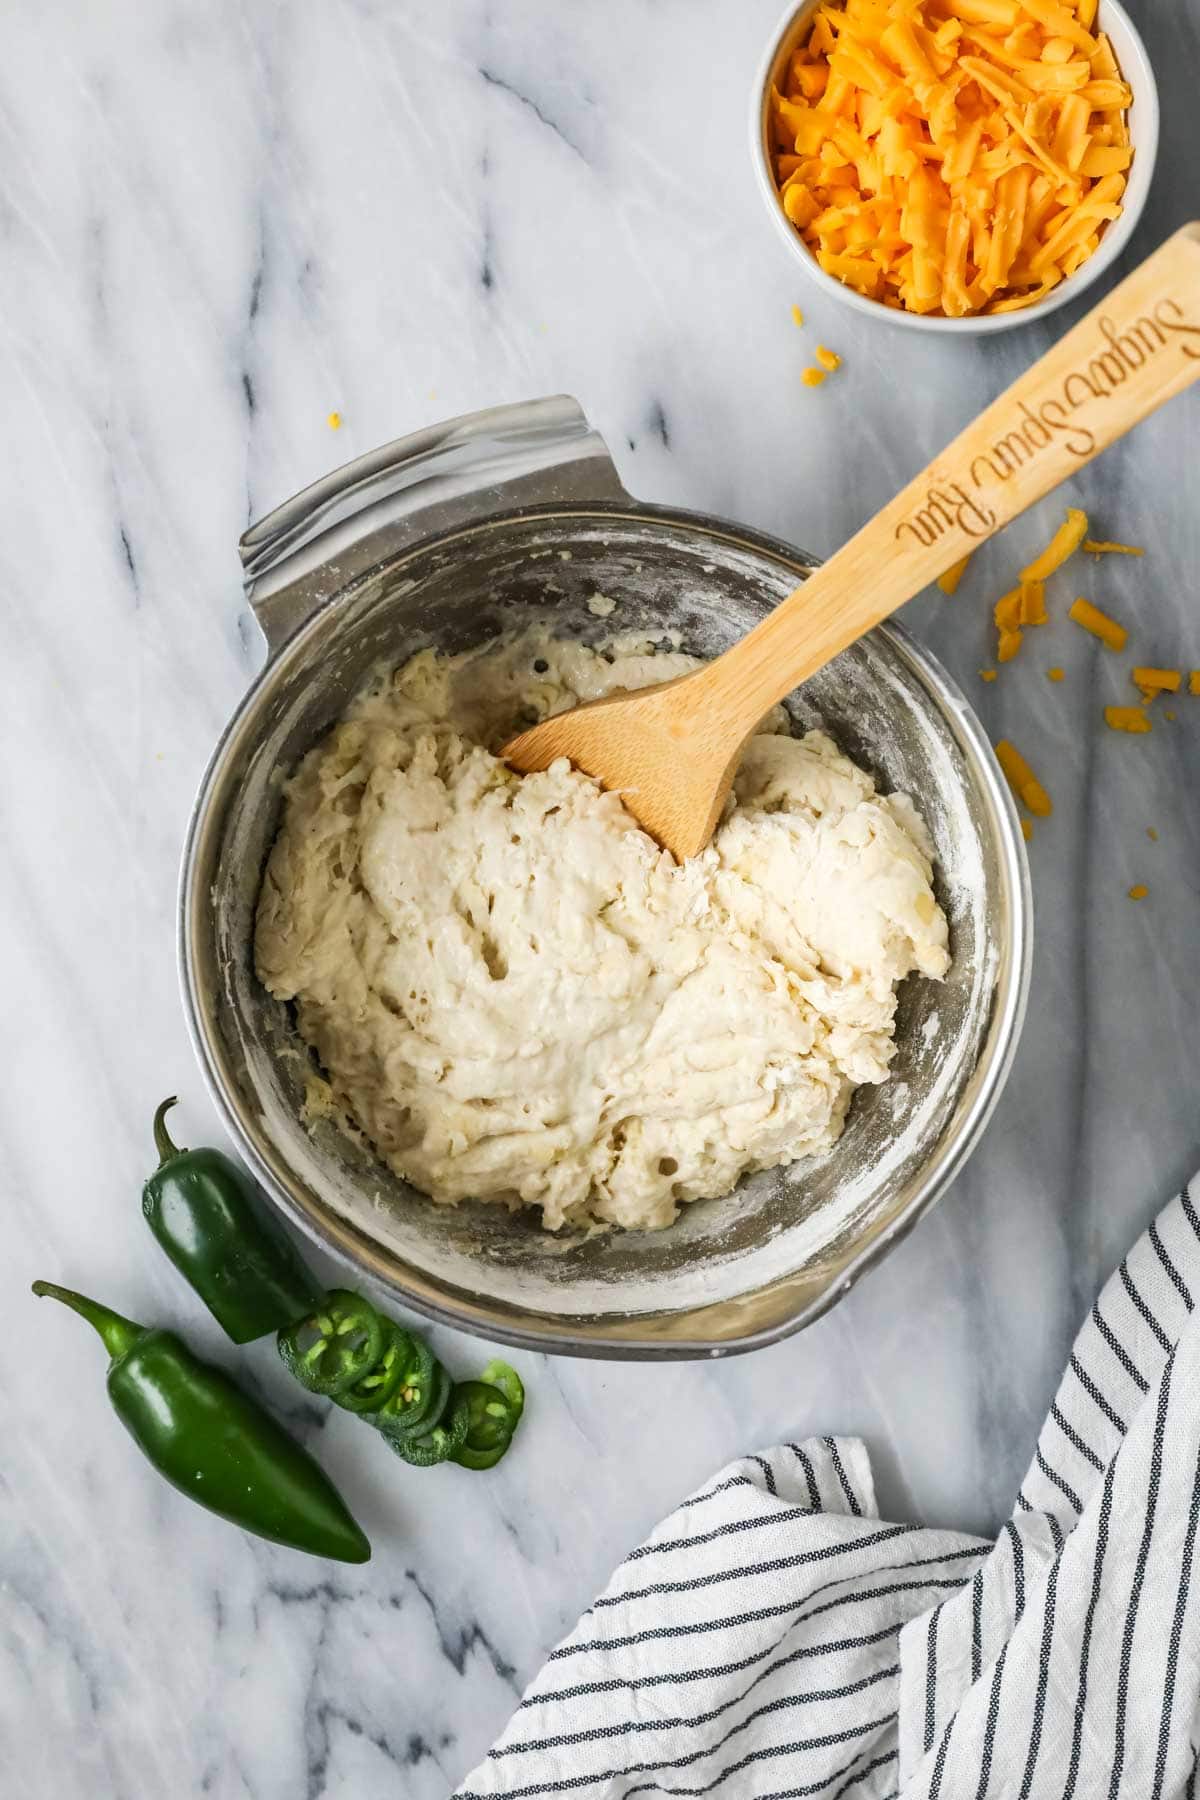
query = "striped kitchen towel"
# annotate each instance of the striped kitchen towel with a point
(773, 1638)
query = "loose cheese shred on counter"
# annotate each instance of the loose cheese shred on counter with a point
(1021, 606)
(1064, 543)
(1194, 682)
(828, 359)
(1095, 548)
(813, 377)
(334, 421)
(1139, 892)
(1007, 610)
(1157, 681)
(1152, 834)
(948, 582)
(1127, 718)
(1022, 780)
(951, 156)
(1027, 830)
(987, 674)
(797, 316)
(1055, 674)
(1099, 624)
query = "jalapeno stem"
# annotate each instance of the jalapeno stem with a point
(117, 1334)
(167, 1151)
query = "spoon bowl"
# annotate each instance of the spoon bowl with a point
(629, 740)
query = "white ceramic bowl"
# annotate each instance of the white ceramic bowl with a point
(1130, 53)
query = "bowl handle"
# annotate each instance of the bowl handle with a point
(439, 479)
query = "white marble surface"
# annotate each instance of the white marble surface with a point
(217, 222)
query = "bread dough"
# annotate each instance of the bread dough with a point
(519, 998)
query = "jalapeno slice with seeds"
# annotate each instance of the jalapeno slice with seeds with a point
(374, 1389)
(412, 1400)
(431, 1414)
(437, 1445)
(336, 1346)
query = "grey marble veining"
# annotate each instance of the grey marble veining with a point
(218, 222)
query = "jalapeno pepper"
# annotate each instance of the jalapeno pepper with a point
(224, 1240)
(212, 1442)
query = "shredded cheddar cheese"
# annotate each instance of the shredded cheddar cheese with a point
(1139, 892)
(1127, 718)
(987, 674)
(1021, 606)
(334, 421)
(1007, 610)
(1152, 834)
(828, 359)
(1064, 543)
(1194, 682)
(1022, 780)
(813, 377)
(1095, 548)
(1157, 681)
(951, 156)
(1055, 674)
(1099, 624)
(948, 582)
(797, 316)
(1027, 830)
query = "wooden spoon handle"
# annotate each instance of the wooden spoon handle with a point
(1138, 348)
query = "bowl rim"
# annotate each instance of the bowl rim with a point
(344, 1240)
(1131, 54)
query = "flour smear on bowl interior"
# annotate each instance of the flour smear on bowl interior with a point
(519, 998)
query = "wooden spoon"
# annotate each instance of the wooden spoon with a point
(672, 751)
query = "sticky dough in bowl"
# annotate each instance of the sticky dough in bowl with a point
(520, 998)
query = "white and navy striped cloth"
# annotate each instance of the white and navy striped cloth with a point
(773, 1638)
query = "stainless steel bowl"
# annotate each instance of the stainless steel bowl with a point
(449, 537)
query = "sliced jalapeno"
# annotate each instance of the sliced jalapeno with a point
(491, 1421)
(440, 1387)
(411, 1400)
(374, 1389)
(372, 1366)
(437, 1445)
(466, 1458)
(336, 1346)
(501, 1375)
(490, 1418)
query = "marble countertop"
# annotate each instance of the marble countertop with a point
(218, 223)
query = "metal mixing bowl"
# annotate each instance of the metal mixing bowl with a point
(449, 537)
